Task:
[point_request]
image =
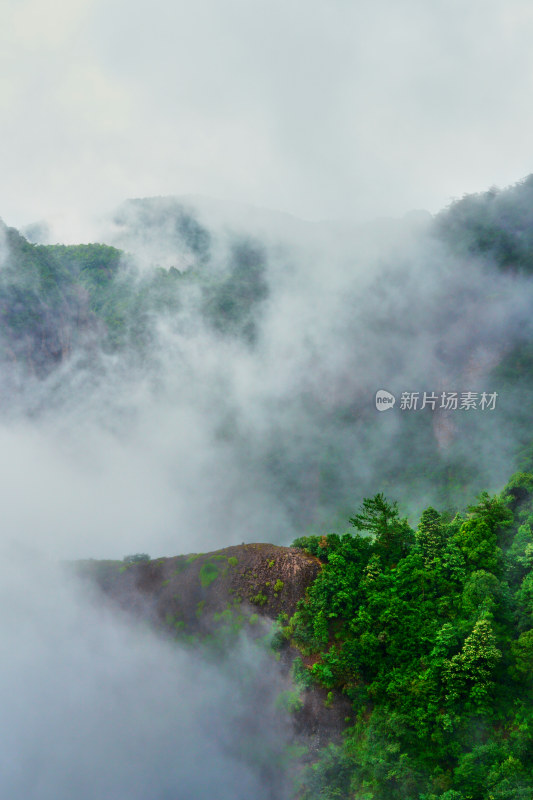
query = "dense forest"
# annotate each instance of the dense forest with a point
(428, 632)
(405, 654)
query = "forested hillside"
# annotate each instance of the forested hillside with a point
(198, 384)
(429, 633)
(303, 328)
(406, 653)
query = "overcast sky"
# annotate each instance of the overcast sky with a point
(319, 108)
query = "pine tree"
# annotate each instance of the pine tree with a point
(430, 535)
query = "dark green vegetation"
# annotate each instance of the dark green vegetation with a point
(230, 304)
(429, 633)
(54, 298)
(57, 299)
(494, 224)
(84, 311)
(410, 650)
(419, 638)
(136, 558)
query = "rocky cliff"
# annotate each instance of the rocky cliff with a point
(213, 597)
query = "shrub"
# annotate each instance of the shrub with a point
(259, 599)
(208, 573)
(137, 558)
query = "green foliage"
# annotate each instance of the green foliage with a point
(52, 296)
(137, 558)
(469, 674)
(181, 565)
(208, 573)
(477, 543)
(481, 593)
(393, 536)
(497, 225)
(259, 599)
(430, 535)
(432, 641)
(58, 301)
(199, 609)
(232, 561)
(524, 601)
(231, 303)
(290, 701)
(518, 489)
(523, 657)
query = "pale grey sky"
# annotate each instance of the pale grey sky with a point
(322, 108)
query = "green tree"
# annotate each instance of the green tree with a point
(392, 535)
(431, 535)
(477, 542)
(469, 675)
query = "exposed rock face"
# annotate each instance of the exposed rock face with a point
(190, 591)
(223, 592)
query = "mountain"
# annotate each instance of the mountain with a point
(202, 377)
(406, 655)
(303, 324)
(209, 600)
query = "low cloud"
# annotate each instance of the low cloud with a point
(94, 705)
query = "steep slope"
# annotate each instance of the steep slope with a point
(195, 593)
(208, 600)
(275, 338)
